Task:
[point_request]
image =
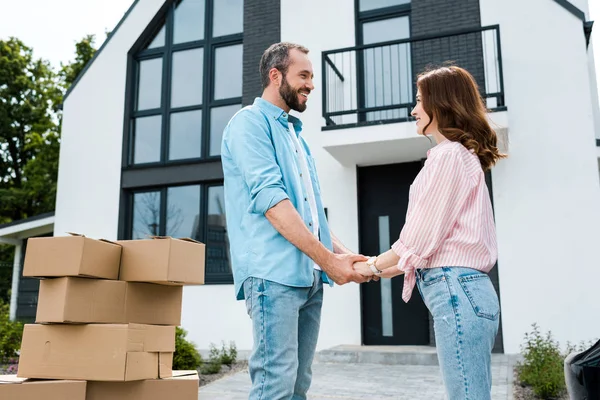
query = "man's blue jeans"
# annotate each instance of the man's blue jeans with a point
(286, 324)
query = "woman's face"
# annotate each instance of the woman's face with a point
(422, 118)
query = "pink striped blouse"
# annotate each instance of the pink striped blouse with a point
(449, 222)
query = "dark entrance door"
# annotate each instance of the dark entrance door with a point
(383, 200)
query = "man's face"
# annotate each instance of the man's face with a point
(297, 83)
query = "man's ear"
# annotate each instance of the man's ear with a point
(275, 77)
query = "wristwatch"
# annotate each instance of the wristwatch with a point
(371, 264)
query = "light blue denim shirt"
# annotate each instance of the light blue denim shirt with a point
(261, 168)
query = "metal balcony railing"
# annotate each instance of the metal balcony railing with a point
(376, 83)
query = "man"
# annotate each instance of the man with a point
(281, 247)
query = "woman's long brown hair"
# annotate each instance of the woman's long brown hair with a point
(450, 95)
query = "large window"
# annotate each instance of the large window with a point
(386, 71)
(188, 83)
(185, 83)
(196, 211)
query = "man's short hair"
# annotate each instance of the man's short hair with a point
(277, 56)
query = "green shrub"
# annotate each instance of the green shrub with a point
(10, 335)
(213, 365)
(186, 355)
(228, 356)
(542, 368)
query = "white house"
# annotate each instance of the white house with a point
(143, 123)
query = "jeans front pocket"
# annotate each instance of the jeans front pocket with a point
(481, 294)
(430, 276)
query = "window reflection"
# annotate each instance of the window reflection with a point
(146, 215)
(183, 211)
(219, 117)
(217, 242)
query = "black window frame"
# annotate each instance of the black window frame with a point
(205, 170)
(141, 53)
(360, 18)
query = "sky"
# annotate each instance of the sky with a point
(53, 27)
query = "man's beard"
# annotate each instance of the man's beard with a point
(290, 96)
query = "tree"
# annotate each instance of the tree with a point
(30, 118)
(84, 52)
(29, 136)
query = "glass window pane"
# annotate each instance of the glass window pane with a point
(189, 21)
(219, 117)
(386, 30)
(185, 135)
(147, 139)
(387, 70)
(366, 5)
(159, 39)
(146, 215)
(183, 210)
(186, 78)
(149, 84)
(228, 17)
(217, 241)
(228, 72)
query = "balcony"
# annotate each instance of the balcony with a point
(376, 83)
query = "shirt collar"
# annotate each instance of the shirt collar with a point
(278, 114)
(437, 147)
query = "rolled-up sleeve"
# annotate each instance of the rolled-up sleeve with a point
(248, 140)
(432, 214)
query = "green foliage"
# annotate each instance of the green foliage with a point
(84, 52)
(228, 356)
(213, 365)
(224, 356)
(186, 355)
(29, 137)
(30, 96)
(10, 335)
(542, 368)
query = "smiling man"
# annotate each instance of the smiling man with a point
(281, 248)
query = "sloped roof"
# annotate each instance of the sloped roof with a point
(87, 66)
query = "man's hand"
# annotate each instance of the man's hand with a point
(340, 268)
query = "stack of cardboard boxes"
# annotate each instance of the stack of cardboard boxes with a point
(106, 318)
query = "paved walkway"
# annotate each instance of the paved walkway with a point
(367, 381)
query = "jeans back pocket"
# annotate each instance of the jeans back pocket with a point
(481, 294)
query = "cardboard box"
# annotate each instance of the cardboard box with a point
(108, 352)
(84, 300)
(182, 386)
(163, 260)
(71, 256)
(13, 388)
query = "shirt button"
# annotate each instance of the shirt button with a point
(310, 224)
(300, 173)
(305, 199)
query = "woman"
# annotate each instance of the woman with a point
(448, 243)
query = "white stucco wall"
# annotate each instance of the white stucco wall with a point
(546, 194)
(89, 174)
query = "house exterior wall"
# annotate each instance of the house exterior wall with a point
(546, 194)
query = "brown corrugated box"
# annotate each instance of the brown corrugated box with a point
(182, 386)
(109, 352)
(163, 260)
(74, 255)
(13, 388)
(83, 300)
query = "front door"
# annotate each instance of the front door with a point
(383, 201)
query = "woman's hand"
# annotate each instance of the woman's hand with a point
(362, 268)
